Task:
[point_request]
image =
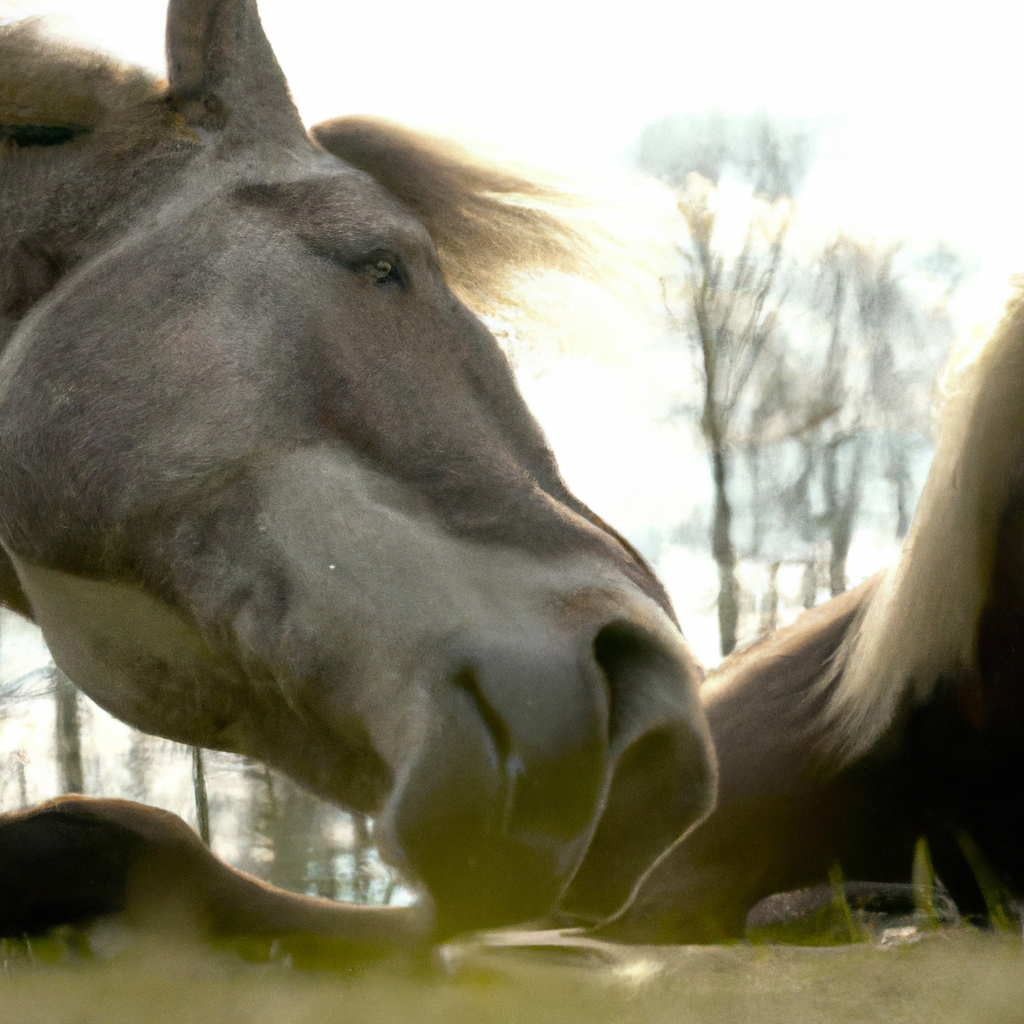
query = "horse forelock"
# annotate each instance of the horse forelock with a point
(922, 622)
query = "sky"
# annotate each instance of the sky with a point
(916, 106)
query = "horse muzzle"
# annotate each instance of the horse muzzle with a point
(553, 775)
(537, 717)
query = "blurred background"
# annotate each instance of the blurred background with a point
(816, 204)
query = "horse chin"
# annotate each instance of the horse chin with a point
(492, 884)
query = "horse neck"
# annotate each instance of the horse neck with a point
(922, 624)
(764, 703)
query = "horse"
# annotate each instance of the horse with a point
(892, 713)
(267, 486)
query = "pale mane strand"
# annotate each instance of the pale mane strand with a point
(923, 621)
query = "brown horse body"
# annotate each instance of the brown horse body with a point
(268, 486)
(891, 713)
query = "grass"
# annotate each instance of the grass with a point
(955, 975)
(831, 964)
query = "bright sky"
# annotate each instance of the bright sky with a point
(920, 105)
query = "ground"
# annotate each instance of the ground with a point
(958, 975)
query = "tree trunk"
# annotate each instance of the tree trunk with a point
(898, 474)
(724, 554)
(809, 585)
(361, 877)
(842, 512)
(69, 734)
(18, 757)
(841, 536)
(199, 792)
(756, 504)
(322, 879)
(770, 602)
(293, 831)
(140, 756)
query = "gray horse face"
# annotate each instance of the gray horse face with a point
(270, 488)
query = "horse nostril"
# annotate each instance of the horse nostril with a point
(663, 773)
(466, 680)
(627, 658)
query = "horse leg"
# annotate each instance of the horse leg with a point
(78, 860)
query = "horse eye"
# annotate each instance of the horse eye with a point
(384, 270)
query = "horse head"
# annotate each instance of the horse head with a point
(269, 487)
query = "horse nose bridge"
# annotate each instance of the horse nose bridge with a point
(542, 686)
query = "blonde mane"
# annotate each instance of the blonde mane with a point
(922, 622)
(490, 223)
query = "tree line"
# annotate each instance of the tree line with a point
(816, 364)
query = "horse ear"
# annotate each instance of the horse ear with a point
(223, 74)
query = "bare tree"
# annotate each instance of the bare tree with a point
(816, 371)
(202, 801)
(842, 500)
(287, 822)
(849, 398)
(730, 310)
(18, 759)
(886, 343)
(730, 296)
(140, 761)
(362, 847)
